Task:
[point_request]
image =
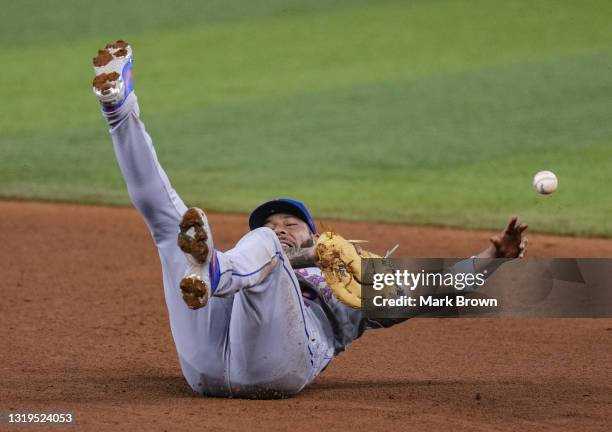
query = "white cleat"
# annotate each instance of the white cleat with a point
(202, 275)
(113, 81)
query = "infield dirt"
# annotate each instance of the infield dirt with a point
(85, 330)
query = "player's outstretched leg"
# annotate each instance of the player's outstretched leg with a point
(200, 336)
(202, 275)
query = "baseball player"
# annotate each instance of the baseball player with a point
(258, 320)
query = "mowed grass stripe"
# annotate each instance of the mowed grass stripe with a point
(33, 22)
(480, 195)
(266, 58)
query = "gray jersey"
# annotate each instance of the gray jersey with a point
(346, 323)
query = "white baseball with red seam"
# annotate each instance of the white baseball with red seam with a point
(545, 182)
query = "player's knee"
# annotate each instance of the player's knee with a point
(267, 234)
(268, 238)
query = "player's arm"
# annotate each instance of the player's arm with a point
(508, 244)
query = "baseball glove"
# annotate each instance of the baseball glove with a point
(340, 263)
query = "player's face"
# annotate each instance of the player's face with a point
(291, 231)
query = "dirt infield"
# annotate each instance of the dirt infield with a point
(85, 329)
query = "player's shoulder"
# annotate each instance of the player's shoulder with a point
(316, 279)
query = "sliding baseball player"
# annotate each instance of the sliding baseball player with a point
(258, 320)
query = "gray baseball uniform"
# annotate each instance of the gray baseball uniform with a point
(268, 331)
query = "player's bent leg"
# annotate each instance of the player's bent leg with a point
(277, 345)
(212, 273)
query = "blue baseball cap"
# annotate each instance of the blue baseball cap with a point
(281, 205)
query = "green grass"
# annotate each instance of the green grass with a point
(429, 112)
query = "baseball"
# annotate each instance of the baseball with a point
(545, 182)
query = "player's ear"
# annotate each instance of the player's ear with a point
(315, 237)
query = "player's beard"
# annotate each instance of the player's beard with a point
(301, 257)
(308, 243)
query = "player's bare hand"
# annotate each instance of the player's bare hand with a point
(510, 242)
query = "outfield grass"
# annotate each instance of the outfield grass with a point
(429, 112)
